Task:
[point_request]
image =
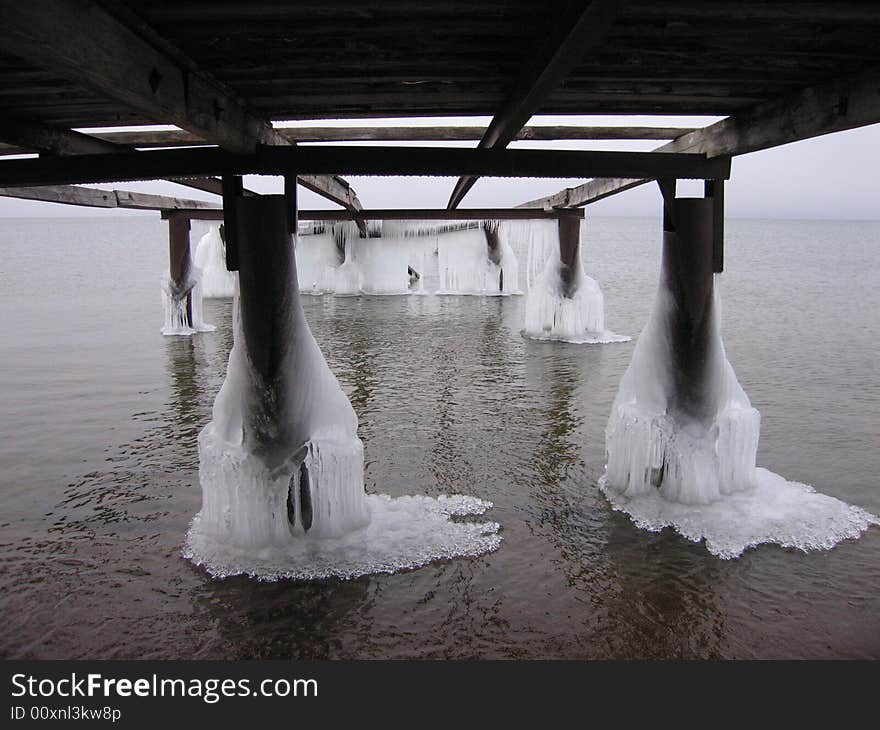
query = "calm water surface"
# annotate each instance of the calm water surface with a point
(98, 460)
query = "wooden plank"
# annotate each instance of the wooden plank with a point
(79, 40)
(181, 138)
(94, 198)
(579, 36)
(840, 104)
(82, 42)
(836, 12)
(325, 159)
(416, 214)
(48, 139)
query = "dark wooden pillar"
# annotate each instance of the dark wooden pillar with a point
(270, 313)
(179, 259)
(715, 192)
(233, 188)
(688, 276)
(569, 251)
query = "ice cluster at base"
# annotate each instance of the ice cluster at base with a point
(174, 301)
(210, 259)
(465, 268)
(698, 473)
(774, 510)
(396, 257)
(281, 471)
(338, 261)
(577, 317)
(403, 533)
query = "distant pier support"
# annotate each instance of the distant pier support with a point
(180, 264)
(569, 252)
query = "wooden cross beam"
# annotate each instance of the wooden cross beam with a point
(410, 214)
(47, 139)
(844, 103)
(94, 198)
(323, 160)
(182, 138)
(83, 42)
(576, 36)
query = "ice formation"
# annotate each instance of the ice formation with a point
(339, 261)
(477, 260)
(569, 311)
(561, 305)
(374, 266)
(280, 463)
(403, 533)
(182, 305)
(210, 257)
(682, 438)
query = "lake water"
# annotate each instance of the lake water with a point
(99, 466)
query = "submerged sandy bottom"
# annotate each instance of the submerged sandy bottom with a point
(776, 511)
(403, 533)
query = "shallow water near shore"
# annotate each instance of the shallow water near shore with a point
(99, 475)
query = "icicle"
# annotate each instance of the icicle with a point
(477, 261)
(210, 256)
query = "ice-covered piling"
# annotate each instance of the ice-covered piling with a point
(563, 303)
(280, 463)
(181, 288)
(210, 257)
(283, 440)
(682, 438)
(477, 260)
(681, 423)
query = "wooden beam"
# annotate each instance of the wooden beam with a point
(579, 35)
(94, 198)
(81, 41)
(180, 138)
(844, 103)
(323, 160)
(412, 214)
(48, 139)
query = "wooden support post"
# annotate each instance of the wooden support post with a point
(569, 251)
(179, 259)
(715, 191)
(268, 300)
(290, 194)
(688, 275)
(233, 188)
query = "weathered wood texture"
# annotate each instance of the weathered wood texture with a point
(181, 138)
(81, 41)
(323, 159)
(576, 35)
(830, 107)
(417, 214)
(344, 58)
(180, 261)
(94, 198)
(46, 139)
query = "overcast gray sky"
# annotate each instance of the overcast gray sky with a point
(833, 177)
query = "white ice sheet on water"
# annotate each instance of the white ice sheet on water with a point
(403, 533)
(774, 511)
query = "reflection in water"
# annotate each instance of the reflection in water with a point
(661, 599)
(287, 619)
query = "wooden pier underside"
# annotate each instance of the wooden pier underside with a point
(223, 73)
